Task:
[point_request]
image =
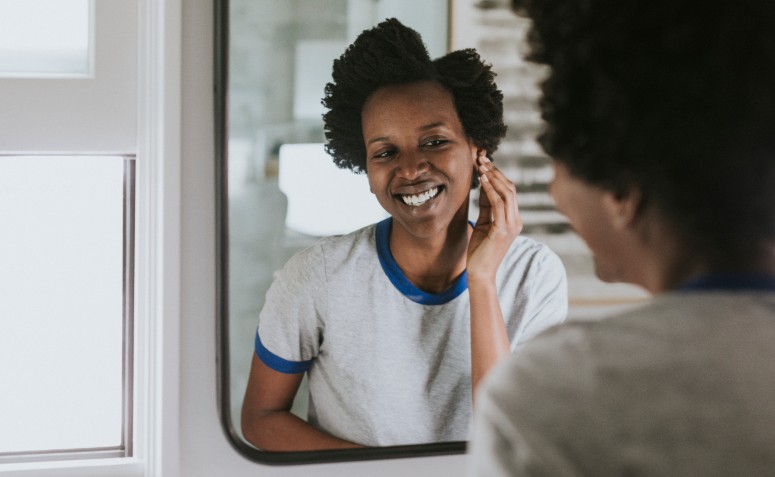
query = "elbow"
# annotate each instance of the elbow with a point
(252, 427)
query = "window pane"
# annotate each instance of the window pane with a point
(61, 318)
(44, 37)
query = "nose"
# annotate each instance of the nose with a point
(411, 165)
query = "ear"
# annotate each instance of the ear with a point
(624, 206)
(475, 153)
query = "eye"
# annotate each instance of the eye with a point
(435, 142)
(384, 154)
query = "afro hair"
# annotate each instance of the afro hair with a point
(391, 53)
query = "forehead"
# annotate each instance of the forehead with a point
(417, 103)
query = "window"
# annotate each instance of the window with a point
(67, 281)
(45, 37)
(74, 381)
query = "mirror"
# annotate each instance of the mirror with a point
(277, 188)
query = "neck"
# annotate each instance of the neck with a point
(672, 274)
(660, 260)
(755, 271)
(432, 263)
(671, 261)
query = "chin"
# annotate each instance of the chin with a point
(607, 273)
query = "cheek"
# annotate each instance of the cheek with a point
(464, 177)
(598, 234)
(378, 187)
(581, 218)
(472, 159)
(466, 168)
(373, 176)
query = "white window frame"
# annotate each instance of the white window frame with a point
(157, 254)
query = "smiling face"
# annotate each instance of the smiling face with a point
(418, 159)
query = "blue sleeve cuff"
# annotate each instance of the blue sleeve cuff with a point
(277, 363)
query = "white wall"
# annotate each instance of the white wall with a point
(204, 449)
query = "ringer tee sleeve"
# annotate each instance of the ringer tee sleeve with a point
(290, 329)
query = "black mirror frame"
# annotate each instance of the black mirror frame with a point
(221, 85)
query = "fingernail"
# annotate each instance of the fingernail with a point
(485, 159)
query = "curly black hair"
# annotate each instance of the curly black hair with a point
(675, 96)
(392, 53)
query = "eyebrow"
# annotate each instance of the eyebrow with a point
(427, 127)
(431, 126)
(378, 139)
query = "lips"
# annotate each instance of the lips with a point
(419, 198)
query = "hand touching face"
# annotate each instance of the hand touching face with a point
(499, 222)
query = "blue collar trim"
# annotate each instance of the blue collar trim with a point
(399, 280)
(732, 282)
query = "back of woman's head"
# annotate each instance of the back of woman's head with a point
(676, 96)
(392, 53)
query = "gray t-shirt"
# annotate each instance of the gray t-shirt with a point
(388, 363)
(683, 386)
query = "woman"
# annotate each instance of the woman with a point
(398, 321)
(660, 118)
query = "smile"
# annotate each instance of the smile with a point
(417, 200)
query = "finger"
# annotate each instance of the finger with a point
(496, 210)
(499, 180)
(484, 202)
(507, 202)
(504, 189)
(508, 193)
(485, 217)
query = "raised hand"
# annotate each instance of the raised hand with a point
(499, 222)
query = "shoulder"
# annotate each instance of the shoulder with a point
(361, 240)
(535, 398)
(526, 247)
(532, 265)
(527, 253)
(543, 359)
(334, 249)
(564, 359)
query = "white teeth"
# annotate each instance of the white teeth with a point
(419, 199)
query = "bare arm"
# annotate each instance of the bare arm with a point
(497, 227)
(267, 422)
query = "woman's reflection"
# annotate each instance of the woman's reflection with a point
(395, 321)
